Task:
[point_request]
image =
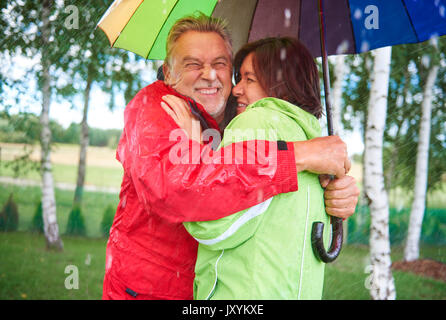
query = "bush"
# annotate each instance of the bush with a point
(9, 216)
(107, 220)
(75, 224)
(433, 228)
(37, 222)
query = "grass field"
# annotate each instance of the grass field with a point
(29, 271)
(103, 170)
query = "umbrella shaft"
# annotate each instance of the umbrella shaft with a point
(325, 69)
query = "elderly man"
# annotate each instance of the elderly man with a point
(149, 254)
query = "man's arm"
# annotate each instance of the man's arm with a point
(323, 155)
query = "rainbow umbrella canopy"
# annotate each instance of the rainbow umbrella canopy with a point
(142, 26)
(351, 26)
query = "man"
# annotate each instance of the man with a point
(149, 253)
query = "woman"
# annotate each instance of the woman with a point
(265, 252)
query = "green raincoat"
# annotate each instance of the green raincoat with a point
(264, 252)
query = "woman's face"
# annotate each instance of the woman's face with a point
(248, 90)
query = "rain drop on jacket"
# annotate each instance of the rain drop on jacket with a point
(150, 255)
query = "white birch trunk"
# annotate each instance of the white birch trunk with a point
(412, 249)
(84, 141)
(51, 227)
(339, 70)
(382, 284)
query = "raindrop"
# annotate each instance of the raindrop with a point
(365, 46)
(282, 54)
(108, 261)
(287, 21)
(357, 14)
(212, 74)
(434, 40)
(442, 11)
(260, 195)
(342, 48)
(124, 202)
(88, 260)
(279, 76)
(425, 60)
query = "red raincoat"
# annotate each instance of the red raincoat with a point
(149, 253)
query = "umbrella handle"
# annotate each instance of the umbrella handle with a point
(317, 241)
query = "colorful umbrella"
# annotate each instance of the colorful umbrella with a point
(352, 26)
(325, 26)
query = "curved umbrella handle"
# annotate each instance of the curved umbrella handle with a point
(318, 227)
(336, 242)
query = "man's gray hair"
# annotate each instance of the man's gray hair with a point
(198, 22)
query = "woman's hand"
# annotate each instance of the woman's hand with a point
(180, 112)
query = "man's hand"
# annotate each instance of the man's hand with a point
(324, 155)
(341, 195)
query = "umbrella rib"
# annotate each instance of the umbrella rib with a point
(300, 20)
(252, 19)
(410, 20)
(351, 25)
(164, 23)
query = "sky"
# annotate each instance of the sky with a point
(99, 115)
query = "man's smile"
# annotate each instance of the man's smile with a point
(207, 91)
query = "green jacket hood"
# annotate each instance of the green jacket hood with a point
(308, 122)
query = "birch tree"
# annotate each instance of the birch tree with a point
(51, 228)
(32, 30)
(412, 248)
(382, 284)
(339, 73)
(409, 75)
(95, 64)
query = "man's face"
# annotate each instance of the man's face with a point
(201, 69)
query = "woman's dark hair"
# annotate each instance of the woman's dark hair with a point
(286, 70)
(230, 111)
